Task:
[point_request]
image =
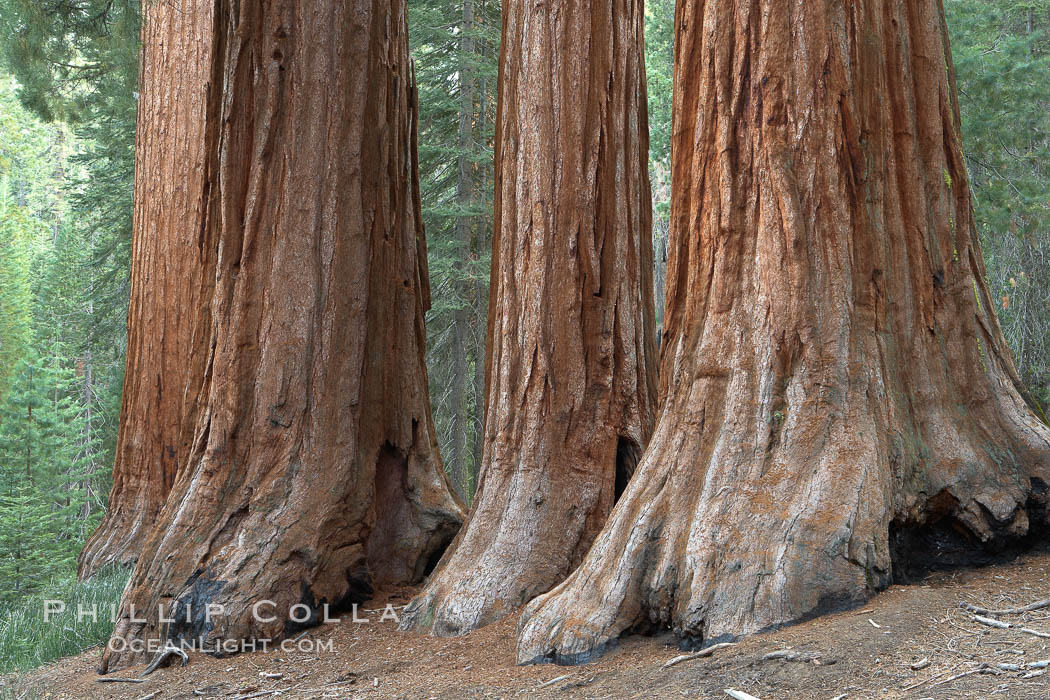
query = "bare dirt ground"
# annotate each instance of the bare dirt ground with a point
(864, 653)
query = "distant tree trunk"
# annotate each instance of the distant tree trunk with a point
(838, 394)
(314, 474)
(460, 418)
(88, 397)
(461, 321)
(571, 351)
(170, 276)
(480, 307)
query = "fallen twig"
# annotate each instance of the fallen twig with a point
(992, 623)
(120, 680)
(159, 659)
(1038, 605)
(919, 665)
(983, 668)
(789, 655)
(1032, 674)
(326, 688)
(1037, 633)
(260, 694)
(739, 695)
(1039, 664)
(150, 696)
(697, 655)
(552, 681)
(915, 685)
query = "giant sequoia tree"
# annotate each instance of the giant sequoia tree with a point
(170, 277)
(838, 392)
(313, 474)
(571, 339)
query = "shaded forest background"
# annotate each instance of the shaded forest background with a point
(68, 84)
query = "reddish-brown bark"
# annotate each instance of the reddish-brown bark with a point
(570, 390)
(170, 277)
(313, 474)
(838, 393)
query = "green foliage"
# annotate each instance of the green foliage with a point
(456, 61)
(1002, 59)
(77, 63)
(659, 71)
(51, 409)
(46, 468)
(64, 277)
(32, 203)
(15, 319)
(27, 640)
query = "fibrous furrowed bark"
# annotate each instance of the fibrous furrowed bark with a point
(838, 393)
(171, 274)
(570, 389)
(313, 474)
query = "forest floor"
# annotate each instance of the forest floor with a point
(868, 652)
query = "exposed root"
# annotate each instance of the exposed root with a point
(163, 656)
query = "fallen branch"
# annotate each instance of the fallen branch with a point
(120, 680)
(992, 623)
(260, 694)
(919, 665)
(1038, 605)
(1037, 633)
(552, 681)
(739, 695)
(915, 685)
(160, 658)
(697, 655)
(983, 668)
(1032, 674)
(789, 655)
(150, 696)
(1040, 664)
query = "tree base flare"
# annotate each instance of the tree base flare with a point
(833, 371)
(731, 565)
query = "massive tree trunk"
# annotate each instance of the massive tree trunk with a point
(171, 274)
(571, 348)
(314, 474)
(839, 396)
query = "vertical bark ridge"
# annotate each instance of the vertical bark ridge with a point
(571, 351)
(314, 475)
(838, 394)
